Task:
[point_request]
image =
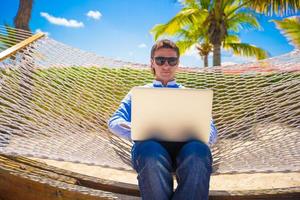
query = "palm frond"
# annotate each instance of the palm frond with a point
(231, 39)
(186, 17)
(243, 20)
(271, 7)
(248, 50)
(184, 45)
(204, 4)
(231, 6)
(291, 29)
(193, 31)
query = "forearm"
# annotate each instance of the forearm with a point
(213, 133)
(120, 127)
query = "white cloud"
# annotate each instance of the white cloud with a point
(228, 63)
(94, 14)
(62, 21)
(142, 45)
(236, 60)
(40, 31)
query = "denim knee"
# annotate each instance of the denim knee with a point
(149, 152)
(197, 151)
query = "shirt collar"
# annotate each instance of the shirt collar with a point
(159, 83)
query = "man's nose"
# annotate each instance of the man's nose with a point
(166, 64)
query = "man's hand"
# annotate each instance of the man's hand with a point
(125, 126)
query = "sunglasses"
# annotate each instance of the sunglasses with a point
(160, 61)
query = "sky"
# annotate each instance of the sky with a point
(120, 29)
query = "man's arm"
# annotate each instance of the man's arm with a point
(213, 133)
(120, 122)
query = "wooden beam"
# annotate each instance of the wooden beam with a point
(17, 171)
(13, 187)
(12, 50)
(33, 167)
(21, 181)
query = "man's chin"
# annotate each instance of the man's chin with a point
(167, 79)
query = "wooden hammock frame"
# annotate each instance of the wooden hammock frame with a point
(27, 179)
(12, 50)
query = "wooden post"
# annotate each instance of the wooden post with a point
(12, 50)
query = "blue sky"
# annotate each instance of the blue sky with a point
(120, 28)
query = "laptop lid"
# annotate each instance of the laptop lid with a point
(171, 114)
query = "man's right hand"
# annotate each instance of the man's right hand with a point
(125, 126)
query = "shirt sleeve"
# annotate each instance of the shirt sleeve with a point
(213, 133)
(122, 116)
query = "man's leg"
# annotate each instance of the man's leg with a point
(194, 167)
(154, 167)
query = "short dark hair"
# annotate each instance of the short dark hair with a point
(165, 43)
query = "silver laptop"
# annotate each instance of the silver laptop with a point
(171, 114)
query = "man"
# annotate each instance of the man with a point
(156, 161)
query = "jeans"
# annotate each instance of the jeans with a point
(155, 163)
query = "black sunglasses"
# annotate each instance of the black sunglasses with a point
(160, 61)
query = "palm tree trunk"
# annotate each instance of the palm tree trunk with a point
(217, 54)
(26, 83)
(205, 60)
(23, 16)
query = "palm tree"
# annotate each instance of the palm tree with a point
(204, 22)
(291, 29)
(194, 35)
(21, 21)
(204, 49)
(23, 16)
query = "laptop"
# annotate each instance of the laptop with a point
(171, 114)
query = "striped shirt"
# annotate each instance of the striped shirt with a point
(123, 114)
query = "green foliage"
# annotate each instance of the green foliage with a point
(210, 23)
(271, 7)
(291, 29)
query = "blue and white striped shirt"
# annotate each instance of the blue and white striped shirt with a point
(123, 115)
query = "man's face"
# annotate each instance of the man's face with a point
(165, 63)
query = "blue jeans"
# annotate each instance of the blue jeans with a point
(155, 163)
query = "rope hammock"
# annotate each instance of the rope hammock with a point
(55, 101)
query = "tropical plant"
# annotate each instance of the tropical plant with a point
(291, 29)
(211, 23)
(194, 36)
(21, 21)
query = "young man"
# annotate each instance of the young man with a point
(156, 161)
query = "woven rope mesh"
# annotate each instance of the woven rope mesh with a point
(55, 101)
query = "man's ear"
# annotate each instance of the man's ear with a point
(153, 70)
(151, 66)
(178, 63)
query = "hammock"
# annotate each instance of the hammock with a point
(55, 101)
